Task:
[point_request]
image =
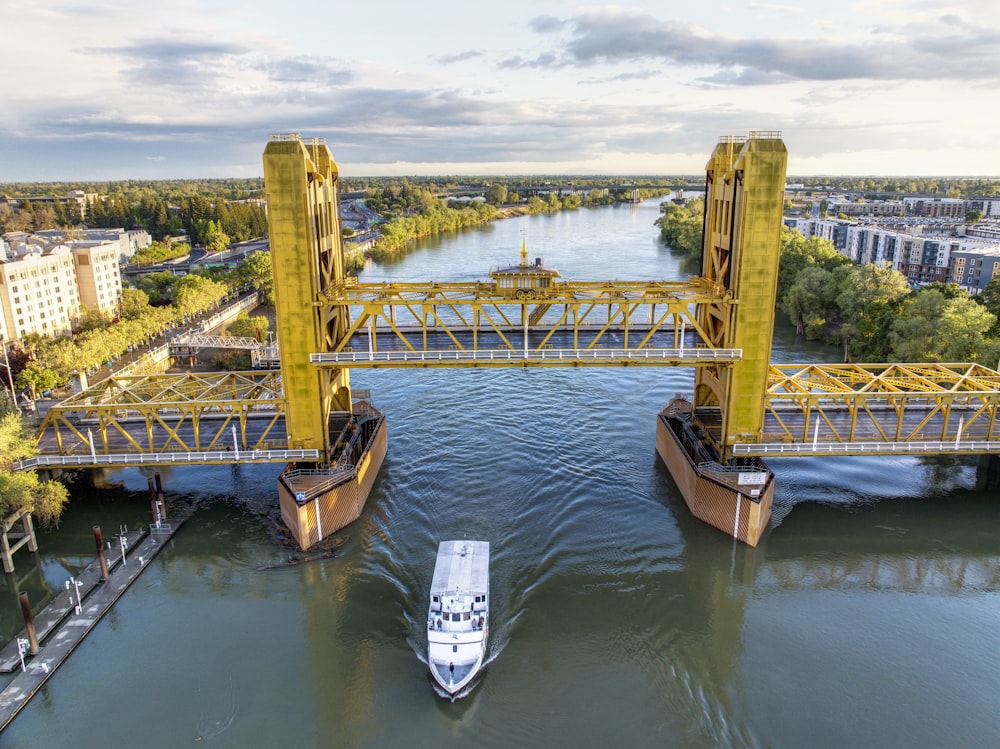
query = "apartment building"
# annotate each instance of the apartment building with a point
(924, 250)
(129, 241)
(43, 286)
(973, 269)
(868, 208)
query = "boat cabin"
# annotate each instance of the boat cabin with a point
(524, 279)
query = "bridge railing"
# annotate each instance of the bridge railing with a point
(171, 458)
(928, 447)
(540, 355)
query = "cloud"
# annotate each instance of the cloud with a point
(170, 62)
(460, 57)
(950, 49)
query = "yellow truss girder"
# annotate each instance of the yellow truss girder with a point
(883, 403)
(188, 412)
(477, 316)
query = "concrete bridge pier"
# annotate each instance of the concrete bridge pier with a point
(988, 472)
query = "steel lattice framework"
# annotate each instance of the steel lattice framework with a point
(154, 414)
(879, 408)
(476, 324)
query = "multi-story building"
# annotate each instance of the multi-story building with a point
(38, 293)
(924, 250)
(938, 207)
(973, 269)
(990, 207)
(97, 274)
(868, 208)
(129, 240)
(75, 200)
(43, 286)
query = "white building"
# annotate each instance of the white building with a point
(44, 286)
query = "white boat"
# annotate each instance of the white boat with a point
(458, 623)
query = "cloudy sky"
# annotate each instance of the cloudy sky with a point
(116, 89)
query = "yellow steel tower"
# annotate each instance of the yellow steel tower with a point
(745, 183)
(307, 256)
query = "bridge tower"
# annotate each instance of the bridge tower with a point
(744, 194)
(307, 257)
(744, 191)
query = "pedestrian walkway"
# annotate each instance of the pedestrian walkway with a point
(72, 614)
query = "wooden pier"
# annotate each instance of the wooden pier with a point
(72, 614)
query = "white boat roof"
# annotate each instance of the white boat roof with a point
(462, 567)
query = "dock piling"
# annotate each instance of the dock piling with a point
(29, 623)
(152, 502)
(101, 557)
(161, 504)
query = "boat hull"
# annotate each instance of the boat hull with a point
(454, 680)
(715, 495)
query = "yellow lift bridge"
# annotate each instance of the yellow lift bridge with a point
(721, 322)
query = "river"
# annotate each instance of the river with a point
(868, 616)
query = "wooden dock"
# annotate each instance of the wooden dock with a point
(60, 628)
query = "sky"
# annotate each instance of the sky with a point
(137, 89)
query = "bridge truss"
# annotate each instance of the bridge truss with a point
(218, 417)
(864, 409)
(475, 324)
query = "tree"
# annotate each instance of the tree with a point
(990, 299)
(798, 253)
(192, 294)
(134, 304)
(868, 298)
(36, 378)
(244, 326)
(496, 195)
(963, 326)
(914, 335)
(157, 286)
(215, 239)
(22, 490)
(91, 318)
(811, 302)
(256, 270)
(681, 225)
(973, 217)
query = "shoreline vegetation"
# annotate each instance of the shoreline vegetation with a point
(870, 311)
(437, 216)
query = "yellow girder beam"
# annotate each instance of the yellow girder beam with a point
(881, 403)
(181, 412)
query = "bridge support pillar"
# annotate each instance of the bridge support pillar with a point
(988, 472)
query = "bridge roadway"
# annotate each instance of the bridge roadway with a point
(788, 431)
(132, 441)
(514, 347)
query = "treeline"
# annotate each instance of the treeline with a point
(164, 209)
(192, 214)
(432, 217)
(528, 183)
(952, 187)
(415, 212)
(870, 311)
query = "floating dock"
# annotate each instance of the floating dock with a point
(72, 614)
